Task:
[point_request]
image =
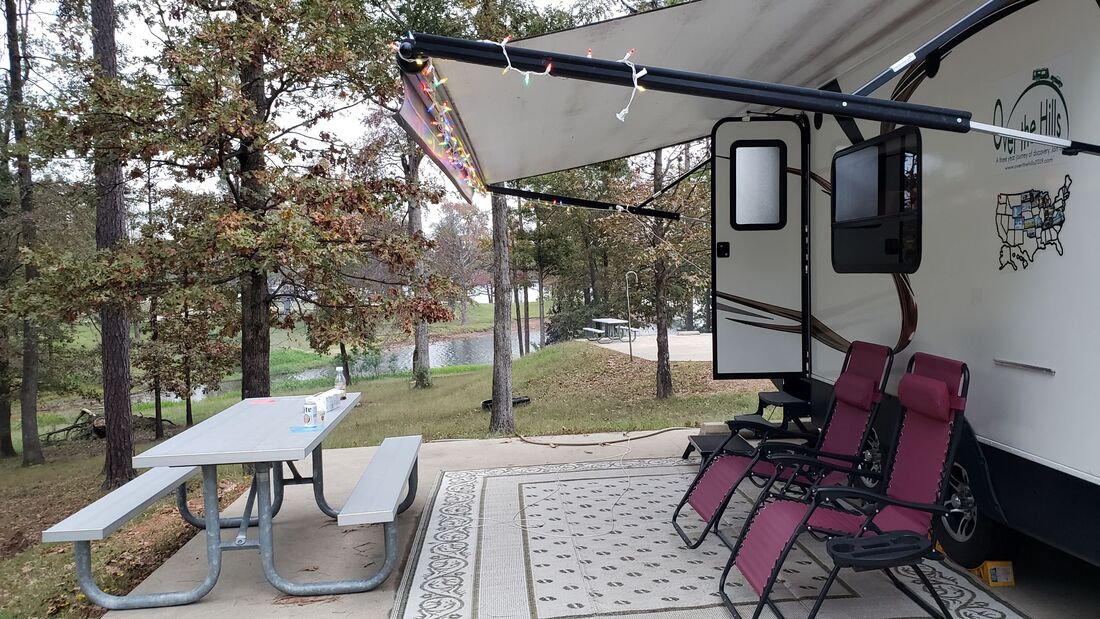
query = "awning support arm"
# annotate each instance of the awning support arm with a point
(922, 52)
(418, 46)
(677, 181)
(581, 202)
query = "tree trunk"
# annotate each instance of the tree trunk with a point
(110, 231)
(689, 313)
(7, 447)
(541, 274)
(519, 320)
(421, 363)
(501, 420)
(7, 269)
(28, 392)
(464, 309)
(664, 369)
(346, 363)
(660, 283)
(255, 319)
(255, 336)
(526, 321)
(593, 274)
(189, 419)
(158, 413)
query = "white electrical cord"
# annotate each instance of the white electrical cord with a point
(635, 74)
(526, 74)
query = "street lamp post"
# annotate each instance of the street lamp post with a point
(629, 333)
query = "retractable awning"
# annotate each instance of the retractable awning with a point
(508, 128)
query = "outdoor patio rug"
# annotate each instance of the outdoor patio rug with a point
(593, 539)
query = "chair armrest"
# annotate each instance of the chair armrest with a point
(766, 449)
(768, 429)
(781, 460)
(751, 422)
(840, 492)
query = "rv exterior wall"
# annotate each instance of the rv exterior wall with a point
(1009, 266)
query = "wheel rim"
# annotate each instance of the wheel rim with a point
(872, 459)
(961, 521)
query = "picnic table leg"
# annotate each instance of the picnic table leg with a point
(83, 555)
(234, 522)
(411, 496)
(332, 587)
(319, 485)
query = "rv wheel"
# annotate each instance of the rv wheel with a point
(872, 460)
(968, 536)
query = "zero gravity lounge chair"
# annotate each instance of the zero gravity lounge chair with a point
(855, 398)
(933, 397)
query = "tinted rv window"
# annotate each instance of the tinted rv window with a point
(876, 205)
(759, 200)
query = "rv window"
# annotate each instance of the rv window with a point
(759, 200)
(876, 205)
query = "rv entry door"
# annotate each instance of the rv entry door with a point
(760, 243)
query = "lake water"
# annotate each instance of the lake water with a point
(472, 349)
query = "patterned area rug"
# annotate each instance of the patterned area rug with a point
(593, 539)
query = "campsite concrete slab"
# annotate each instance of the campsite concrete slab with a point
(311, 547)
(694, 347)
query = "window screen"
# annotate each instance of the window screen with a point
(759, 200)
(876, 205)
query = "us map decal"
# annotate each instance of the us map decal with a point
(1029, 222)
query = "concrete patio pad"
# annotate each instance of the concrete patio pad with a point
(311, 547)
(694, 347)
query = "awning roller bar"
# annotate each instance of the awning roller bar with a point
(487, 53)
(581, 202)
(420, 45)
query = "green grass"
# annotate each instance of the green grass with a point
(38, 580)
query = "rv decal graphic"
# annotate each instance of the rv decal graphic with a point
(1029, 222)
(1039, 108)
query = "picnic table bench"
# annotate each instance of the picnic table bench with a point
(594, 334)
(271, 440)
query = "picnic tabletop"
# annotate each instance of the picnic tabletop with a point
(252, 430)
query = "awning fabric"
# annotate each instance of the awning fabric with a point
(514, 131)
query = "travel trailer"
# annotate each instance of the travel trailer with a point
(934, 203)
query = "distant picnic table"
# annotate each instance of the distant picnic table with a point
(611, 329)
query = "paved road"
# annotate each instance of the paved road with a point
(680, 347)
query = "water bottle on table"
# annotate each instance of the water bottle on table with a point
(341, 383)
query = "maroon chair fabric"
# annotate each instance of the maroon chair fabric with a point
(857, 391)
(931, 401)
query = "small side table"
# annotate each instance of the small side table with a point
(794, 409)
(708, 443)
(885, 551)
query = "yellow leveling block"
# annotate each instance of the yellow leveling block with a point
(996, 573)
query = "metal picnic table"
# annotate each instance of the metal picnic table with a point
(263, 433)
(611, 325)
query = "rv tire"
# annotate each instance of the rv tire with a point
(968, 536)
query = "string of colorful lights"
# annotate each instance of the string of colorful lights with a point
(448, 146)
